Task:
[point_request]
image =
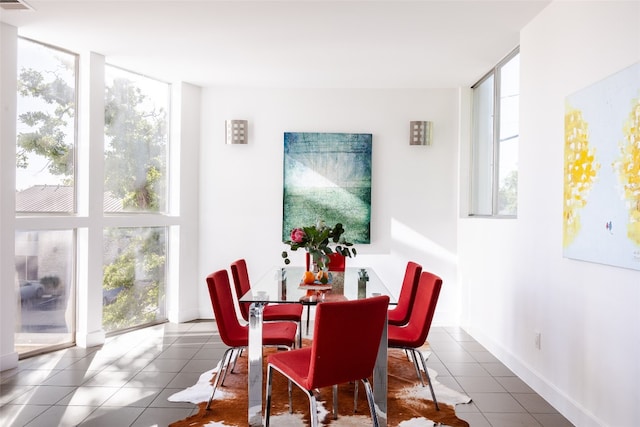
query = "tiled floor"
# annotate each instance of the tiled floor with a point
(127, 381)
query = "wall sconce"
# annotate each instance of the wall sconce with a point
(236, 131)
(420, 133)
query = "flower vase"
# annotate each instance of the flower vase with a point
(313, 267)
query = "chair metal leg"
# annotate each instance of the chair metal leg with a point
(222, 371)
(355, 397)
(236, 355)
(300, 333)
(372, 404)
(406, 352)
(313, 408)
(233, 357)
(426, 371)
(290, 392)
(414, 359)
(308, 316)
(226, 368)
(268, 404)
(335, 401)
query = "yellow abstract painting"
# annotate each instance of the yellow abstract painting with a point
(601, 212)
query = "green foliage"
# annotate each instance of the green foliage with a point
(122, 272)
(139, 301)
(46, 136)
(135, 172)
(134, 306)
(135, 161)
(508, 194)
(134, 155)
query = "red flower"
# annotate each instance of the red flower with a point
(297, 235)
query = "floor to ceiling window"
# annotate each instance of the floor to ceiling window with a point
(45, 185)
(52, 220)
(135, 181)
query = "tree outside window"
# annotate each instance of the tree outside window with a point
(136, 135)
(135, 165)
(46, 129)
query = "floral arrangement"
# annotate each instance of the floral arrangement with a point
(316, 239)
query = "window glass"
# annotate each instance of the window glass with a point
(134, 277)
(44, 277)
(482, 199)
(46, 129)
(136, 137)
(509, 137)
(495, 138)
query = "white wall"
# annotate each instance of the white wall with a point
(8, 85)
(413, 190)
(182, 294)
(514, 277)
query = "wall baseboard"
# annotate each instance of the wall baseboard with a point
(9, 361)
(182, 316)
(90, 339)
(569, 408)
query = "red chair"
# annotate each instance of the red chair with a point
(235, 335)
(344, 348)
(413, 335)
(271, 312)
(337, 263)
(399, 314)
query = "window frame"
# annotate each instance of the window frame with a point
(496, 142)
(88, 223)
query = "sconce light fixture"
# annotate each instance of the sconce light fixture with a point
(236, 131)
(420, 133)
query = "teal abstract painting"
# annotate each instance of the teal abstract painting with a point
(327, 176)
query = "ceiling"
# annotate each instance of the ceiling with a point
(288, 44)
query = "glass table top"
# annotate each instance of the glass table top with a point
(284, 285)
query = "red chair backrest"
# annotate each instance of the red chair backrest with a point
(402, 311)
(345, 342)
(231, 331)
(424, 307)
(242, 285)
(337, 262)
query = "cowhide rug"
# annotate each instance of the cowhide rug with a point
(408, 404)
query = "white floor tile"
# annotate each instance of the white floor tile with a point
(19, 415)
(127, 381)
(110, 417)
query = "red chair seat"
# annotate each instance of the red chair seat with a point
(273, 312)
(403, 336)
(272, 333)
(295, 365)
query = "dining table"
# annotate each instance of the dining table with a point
(283, 285)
